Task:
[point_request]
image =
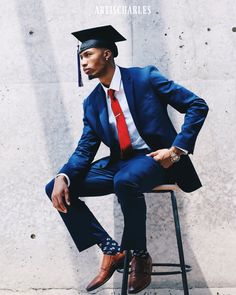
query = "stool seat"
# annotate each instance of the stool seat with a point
(166, 187)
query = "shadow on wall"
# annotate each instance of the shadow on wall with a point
(45, 80)
(48, 94)
(160, 224)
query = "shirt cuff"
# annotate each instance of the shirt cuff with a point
(185, 151)
(66, 176)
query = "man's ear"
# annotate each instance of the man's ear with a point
(107, 54)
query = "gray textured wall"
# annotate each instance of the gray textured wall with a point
(191, 42)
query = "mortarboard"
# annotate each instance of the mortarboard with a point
(98, 37)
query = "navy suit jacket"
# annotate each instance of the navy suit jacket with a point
(148, 93)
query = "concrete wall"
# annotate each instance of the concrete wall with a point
(191, 42)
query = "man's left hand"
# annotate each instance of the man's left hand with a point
(163, 156)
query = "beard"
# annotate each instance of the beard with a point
(91, 77)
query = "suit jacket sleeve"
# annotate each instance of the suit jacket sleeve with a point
(85, 151)
(185, 101)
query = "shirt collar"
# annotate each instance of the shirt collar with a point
(115, 82)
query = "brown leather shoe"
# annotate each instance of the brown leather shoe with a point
(109, 264)
(140, 276)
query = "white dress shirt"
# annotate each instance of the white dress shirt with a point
(117, 85)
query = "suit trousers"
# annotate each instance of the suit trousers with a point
(128, 180)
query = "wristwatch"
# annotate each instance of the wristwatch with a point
(174, 157)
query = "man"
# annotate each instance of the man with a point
(127, 111)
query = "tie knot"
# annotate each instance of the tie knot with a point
(111, 93)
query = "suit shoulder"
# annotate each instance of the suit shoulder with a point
(142, 70)
(94, 92)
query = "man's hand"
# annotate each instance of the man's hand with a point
(60, 194)
(163, 156)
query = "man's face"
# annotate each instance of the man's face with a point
(93, 62)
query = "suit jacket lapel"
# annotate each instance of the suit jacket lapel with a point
(101, 106)
(129, 92)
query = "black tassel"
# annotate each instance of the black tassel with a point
(80, 82)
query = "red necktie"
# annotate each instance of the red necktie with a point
(123, 133)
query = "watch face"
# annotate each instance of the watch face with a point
(174, 157)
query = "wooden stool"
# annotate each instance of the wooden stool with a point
(165, 188)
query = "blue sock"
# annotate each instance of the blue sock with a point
(141, 253)
(109, 246)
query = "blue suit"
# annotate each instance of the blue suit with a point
(148, 94)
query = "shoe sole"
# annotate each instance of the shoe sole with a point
(141, 289)
(104, 282)
(121, 265)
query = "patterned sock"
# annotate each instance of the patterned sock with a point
(141, 253)
(109, 246)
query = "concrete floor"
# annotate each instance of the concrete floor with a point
(199, 291)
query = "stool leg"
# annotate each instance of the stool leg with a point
(125, 273)
(179, 243)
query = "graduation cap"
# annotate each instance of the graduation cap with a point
(98, 37)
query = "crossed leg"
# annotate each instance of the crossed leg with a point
(128, 179)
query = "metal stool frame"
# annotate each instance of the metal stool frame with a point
(183, 267)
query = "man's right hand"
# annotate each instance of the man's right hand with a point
(60, 194)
